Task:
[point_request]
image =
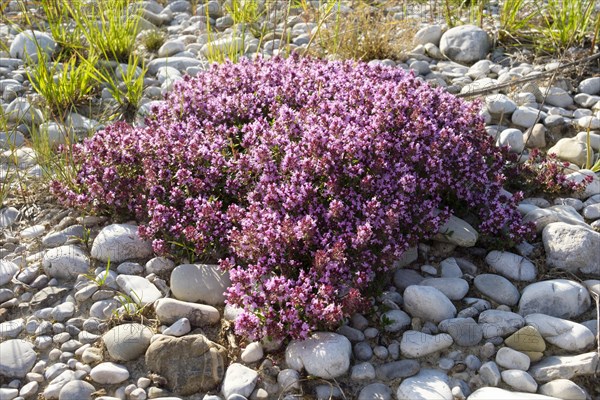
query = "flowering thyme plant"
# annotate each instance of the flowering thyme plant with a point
(305, 177)
(542, 174)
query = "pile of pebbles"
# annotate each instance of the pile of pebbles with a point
(456, 321)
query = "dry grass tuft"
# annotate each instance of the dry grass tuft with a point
(365, 33)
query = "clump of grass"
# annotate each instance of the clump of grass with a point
(515, 18)
(454, 11)
(65, 32)
(566, 22)
(109, 26)
(152, 40)
(366, 33)
(126, 85)
(62, 84)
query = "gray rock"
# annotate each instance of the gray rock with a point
(500, 104)
(428, 384)
(592, 211)
(63, 311)
(571, 150)
(492, 393)
(590, 86)
(557, 297)
(127, 342)
(108, 373)
(181, 327)
(212, 8)
(397, 369)
(513, 138)
(490, 373)
(227, 45)
(418, 344)
(9, 140)
(563, 389)
(55, 239)
(200, 283)
(428, 34)
(288, 379)
(8, 216)
(252, 353)
(8, 269)
(464, 331)
(542, 217)
(363, 351)
(458, 232)
(353, 334)
(519, 380)
(496, 323)
(52, 391)
(564, 367)
(168, 311)
(190, 364)
(428, 303)
(76, 390)
(324, 354)
(56, 133)
(65, 262)
(588, 122)
(404, 278)
(179, 63)
(375, 391)
(408, 257)
(535, 137)
(5, 295)
(453, 288)
(565, 334)
(33, 232)
(11, 329)
(362, 372)
(239, 379)
(512, 359)
(120, 242)
(449, 268)
(572, 248)
(8, 393)
(29, 389)
(526, 116)
(497, 288)
(130, 268)
(511, 265)
(25, 45)
(586, 100)
(139, 289)
(47, 296)
(558, 97)
(395, 321)
(159, 266)
(465, 44)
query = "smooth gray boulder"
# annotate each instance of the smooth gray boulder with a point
(200, 283)
(572, 248)
(127, 342)
(465, 44)
(559, 298)
(120, 242)
(18, 357)
(324, 354)
(25, 45)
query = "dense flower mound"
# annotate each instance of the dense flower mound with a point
(305, 178)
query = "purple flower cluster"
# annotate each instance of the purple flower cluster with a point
(542, 174)
(305, 178)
